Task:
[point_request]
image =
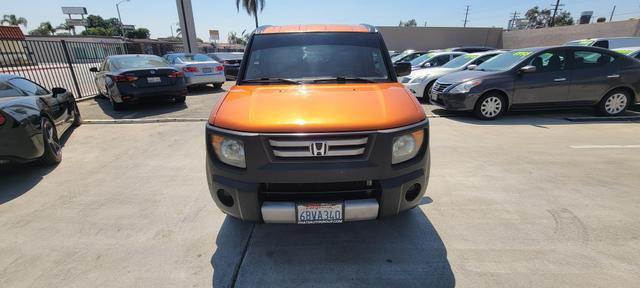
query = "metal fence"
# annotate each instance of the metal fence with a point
(57, 63)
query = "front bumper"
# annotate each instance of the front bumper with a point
(454, 102)
(416, 88)
(128, 94)
(386, 189)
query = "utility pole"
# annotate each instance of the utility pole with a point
(514, 18)
(612, 11)
(466, 14)
(555, 12)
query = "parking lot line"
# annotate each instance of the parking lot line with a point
(605, 146)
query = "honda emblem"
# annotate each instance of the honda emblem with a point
(319, 148)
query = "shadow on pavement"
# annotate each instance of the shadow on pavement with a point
(139, 110)
(533, 117)
(204, 90)
(402, 251)
(17, 179)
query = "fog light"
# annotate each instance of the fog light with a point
(225, 198)
(413, 192)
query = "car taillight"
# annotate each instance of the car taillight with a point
(2, 119)
(176, 75)
(219, 68)
(226, 62)
(124, 78)
(190, 69)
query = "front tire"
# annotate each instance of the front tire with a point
(427, 91)
(77, 118)
(52, 149)
(614, 103)
(217, 85)
(490, 106)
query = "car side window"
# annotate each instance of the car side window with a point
(637, 56)
(590, 59)
(551, 61)
(105, 66)
(602, 44)
(7, 90)
(32, 89)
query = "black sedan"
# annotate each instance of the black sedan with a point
(542, 78)
(32, 119)
(127, 79)
(231, 62)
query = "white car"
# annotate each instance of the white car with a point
(419, 82)
(633, 52)
(434, 59)
(199, 69)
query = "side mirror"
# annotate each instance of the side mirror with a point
(528, 69)
(402, 68)
(93, 69)
(428, 64)
(472, 67)
(57, 91)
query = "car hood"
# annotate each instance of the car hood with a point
(316, 108)
(431, 71)
(464, 75)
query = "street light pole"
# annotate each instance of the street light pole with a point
(119, 17)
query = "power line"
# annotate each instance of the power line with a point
(512, 22)
(555, 12)
(612, 11)
(466, 14)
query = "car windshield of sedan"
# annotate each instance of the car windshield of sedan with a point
(505, 61)
(316, 57)
(138, 62)
(460, 61)
(195, 58)
(421, 59)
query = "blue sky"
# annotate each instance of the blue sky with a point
(158, 15)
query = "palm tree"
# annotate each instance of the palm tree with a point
(45, 28)
(252, 7)
(65, 27)
(14, 20)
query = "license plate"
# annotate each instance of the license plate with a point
(434, 96)
(153, 80)
(206, 70)
(319, 212)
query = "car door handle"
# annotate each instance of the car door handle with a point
(560, 79)
(613, 76)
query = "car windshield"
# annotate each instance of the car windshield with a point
(505, 61)
(195, 58)
(583, 42)
(401, 55)
(313, 56)
(460, 61)
(421, 59)
(138, 62)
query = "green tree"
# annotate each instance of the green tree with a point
(233, 38)
(140, 33)
(45, 28)
(12, 19)
(539, 18)
(252, 7)
(410, 23)
(96, 25)
(65, 27)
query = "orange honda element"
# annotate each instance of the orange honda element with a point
(317, 130)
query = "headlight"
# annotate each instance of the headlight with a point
(406, 146)
(229, 151)
(464, 87)
(405, 80)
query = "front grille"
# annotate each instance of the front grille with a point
(440, 87)
(318, 147)
(319, 191)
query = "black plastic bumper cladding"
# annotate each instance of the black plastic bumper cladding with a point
(248, 186)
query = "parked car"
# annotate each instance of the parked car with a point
(230, 60)
(317, 130)
(433, 59)
(32, 119)
(466, 49)
(420, 81)
(633, 52)
(607, 43)
(199, 69)
(545, 77)
(393, 53)
(402, 54)
(410, 56)
(126, 79)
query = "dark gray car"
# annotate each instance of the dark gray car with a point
(543, 77)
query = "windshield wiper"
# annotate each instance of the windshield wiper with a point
(343, 79)
(271, 80)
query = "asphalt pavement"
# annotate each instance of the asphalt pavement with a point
(530, 200)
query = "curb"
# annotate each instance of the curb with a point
(596, 119)
(143, 121)
(78, 100)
